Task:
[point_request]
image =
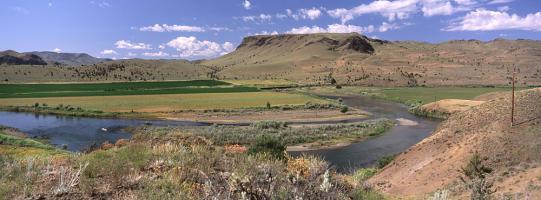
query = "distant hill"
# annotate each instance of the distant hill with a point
(117, 70)
(354, 59)
(10, 57)
(73, 59)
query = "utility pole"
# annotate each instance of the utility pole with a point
(513, 99)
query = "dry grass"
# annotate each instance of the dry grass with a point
(161, 103)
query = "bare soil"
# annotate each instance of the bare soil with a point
(513, 152)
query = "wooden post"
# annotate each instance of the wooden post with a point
(513, 100)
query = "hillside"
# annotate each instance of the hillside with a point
(354, 59)
(511, 152)
(10, 57)
(119, 70)
(73, 59)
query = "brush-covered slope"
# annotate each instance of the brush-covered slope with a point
(514, 153)
(73, 59)
(10, 57)
(118, 70)
(354, 59)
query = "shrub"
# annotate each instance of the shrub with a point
(268, 145)
(475, 174)
(364, 174)
(269, 125)
(268, 105)
(382, 162)
(344, 109)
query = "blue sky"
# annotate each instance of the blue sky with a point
(210, 28)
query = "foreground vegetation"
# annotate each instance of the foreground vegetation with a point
(175, 166)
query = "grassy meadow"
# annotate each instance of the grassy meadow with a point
(411, 95)
(124, 88)
(169, 102)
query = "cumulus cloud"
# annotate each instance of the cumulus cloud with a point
(487, 20)
(390, 9)
(312, 13)
(170, 28)
(156, 54)
(247, 5)
(126, 44)
(437, 7)
(108, 52)
(393, 10)
(386, 27)
(57, 50)
(130, 54)
(192, 47)
(333, 28)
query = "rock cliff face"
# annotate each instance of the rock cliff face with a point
(346, 43)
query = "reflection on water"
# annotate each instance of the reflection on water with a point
(77, 133)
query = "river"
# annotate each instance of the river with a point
(79, 133)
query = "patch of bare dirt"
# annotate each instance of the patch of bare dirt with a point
(513, 152)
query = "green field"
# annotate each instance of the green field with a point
(117, 89)
(411, 95)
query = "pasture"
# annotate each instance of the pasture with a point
(169, 102)
(121, 88)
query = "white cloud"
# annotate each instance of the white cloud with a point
(155, 54)
(486, 20)
(130, 54)
(390, 9)
(101, 4)
(266, 33)
(126, 44)
(174, 27)
(57, 50)
(50, 4)
(161, 46)
(386, 26)
(192, 47)
(218, 28)
(109, 52)
(500, 1)
(312, 13)
(228, 46)
(437, 7)
(333, 28)
(280, 16)
(247, 5)
(257, 18)
(465, 2)
(403, 9)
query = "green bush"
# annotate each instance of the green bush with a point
(382, 162)
(364, 174)
(269, 125)
(113, 164)
(268, 145)
(344, 109)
